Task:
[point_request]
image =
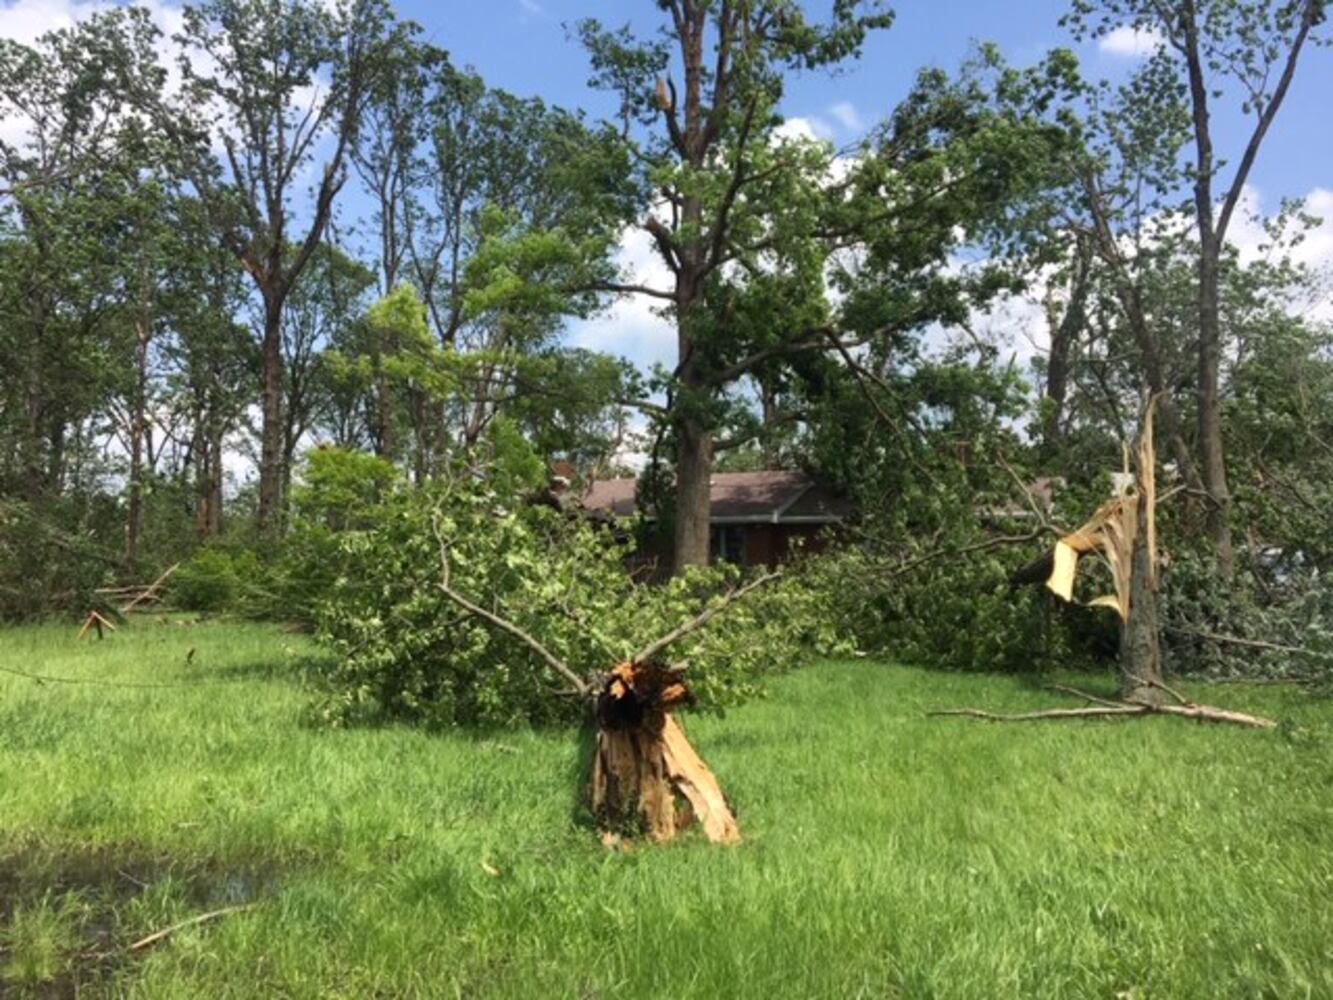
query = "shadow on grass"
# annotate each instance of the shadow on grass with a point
(303, 670)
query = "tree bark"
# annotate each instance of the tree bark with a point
(1210, 336)
(270, 461)
(694, 467)
(1210, 413)
(138, 407)
(1140, 632)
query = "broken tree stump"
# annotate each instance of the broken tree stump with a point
(645, 777)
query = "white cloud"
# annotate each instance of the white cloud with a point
(1131, 43)
(634, 327)
(1314, 248)
(26, 20)
(530, 9)
(847, 115)
(809, 127)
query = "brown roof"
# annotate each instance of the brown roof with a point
(738, 498)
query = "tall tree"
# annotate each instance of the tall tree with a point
(272, 87)
(716, 71)
(64, 171)
(1245, 49)
(775, 249)
(325, 303)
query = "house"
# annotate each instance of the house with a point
(758, 518)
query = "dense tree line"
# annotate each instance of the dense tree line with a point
(184, 290)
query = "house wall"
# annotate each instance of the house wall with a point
(771, 544)
(763, 544)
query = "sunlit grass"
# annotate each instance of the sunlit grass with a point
(886, 853)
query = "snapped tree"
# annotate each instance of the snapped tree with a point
(1246, 49)
(1124, 532)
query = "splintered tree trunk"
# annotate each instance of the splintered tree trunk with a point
(645, 776)
(1140, 646)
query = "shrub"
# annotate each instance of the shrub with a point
(218, 579)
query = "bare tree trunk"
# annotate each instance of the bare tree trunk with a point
(202, 473)
(1210, 336)
(138, 419)
(694, 466)
(1210, 411)
(1140, 632)
(270, 460)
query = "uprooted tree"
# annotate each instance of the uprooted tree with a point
(1124, 532)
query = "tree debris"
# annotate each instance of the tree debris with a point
(1124, 531)
(166, 932)
(645, 776)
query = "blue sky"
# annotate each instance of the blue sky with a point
(521, 45)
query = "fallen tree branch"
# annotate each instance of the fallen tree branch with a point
(1104, 708)
(701, 619)
(1092, 711)
(166, 932)
(1235, 640)
(1161, 686)
(1211, 713)
(995, 542)
(1076, 692)
(150, 592)
(504, 625)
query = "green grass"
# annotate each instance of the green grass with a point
(886, 854)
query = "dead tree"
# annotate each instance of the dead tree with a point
(645, 777)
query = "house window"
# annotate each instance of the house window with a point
(727, 544)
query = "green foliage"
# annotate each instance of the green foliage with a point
(955, 612)
(52, 556)
(404, 650)
(338, 488)
(515, 466)
(217, 579)
(339, 491)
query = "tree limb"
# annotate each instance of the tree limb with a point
(504, 625)
(701, 619)
(1235, 640)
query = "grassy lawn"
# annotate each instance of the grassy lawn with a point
(886, 854)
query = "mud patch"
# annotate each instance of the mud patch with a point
(68, 913)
